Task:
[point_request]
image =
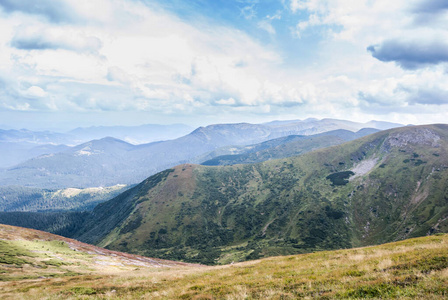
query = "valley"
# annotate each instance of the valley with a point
(253, 219)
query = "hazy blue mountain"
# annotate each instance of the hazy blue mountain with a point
(91, 164)
(132, 134)
(17, 146)
(13, 153)
(288, 146)
(36, 137)
(314, 126)
(110, 161)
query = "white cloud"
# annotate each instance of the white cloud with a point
(35, 92)
(229, 101)
(267, 26)
(116, 55)
(145, 51)
(45, 38)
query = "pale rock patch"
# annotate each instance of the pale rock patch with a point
(363, 167)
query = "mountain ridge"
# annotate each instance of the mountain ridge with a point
(131, 164)
(282, 147)
(379, 188)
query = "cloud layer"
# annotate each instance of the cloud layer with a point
(227, 60)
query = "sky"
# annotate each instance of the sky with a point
(70, 63)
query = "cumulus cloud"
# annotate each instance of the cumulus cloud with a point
(54, 11)
(411, 54)
(44, 39)
(115, 73)
(431, 12)
(424, 91)
(229, 101)
(431, 6)
(35, 92)
(118, 55)
(428, 96)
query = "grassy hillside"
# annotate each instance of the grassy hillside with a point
(384, 187)
(410, 269)
(33, 254)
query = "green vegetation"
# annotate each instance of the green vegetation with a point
(410, 269)
(216, 215)
(340, 178)
(219, 215)
(113, 213)
(61, 223)
(31, 254)
(42, 256)
(11, 254)
(24, 199)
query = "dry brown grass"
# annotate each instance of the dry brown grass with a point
(411, 269)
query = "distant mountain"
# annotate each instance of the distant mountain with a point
(13, 153)
(17, 146)
(314, 126)
(90, 164)
(381, 125)
(35, 137)
(132, 134)
(110, 161)
(283, 147)
(387, 186)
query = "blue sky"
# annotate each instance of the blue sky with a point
(70, 63)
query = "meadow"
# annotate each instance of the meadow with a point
(410, 269)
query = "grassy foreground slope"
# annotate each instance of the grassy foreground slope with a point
(384, 187)
(411, 269)
(32, 254)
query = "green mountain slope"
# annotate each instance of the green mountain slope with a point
(384, 187)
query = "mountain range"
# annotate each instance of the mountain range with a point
(288, 146)
(383, 187)
(17, 146)
(142, 134)
(110, 161)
